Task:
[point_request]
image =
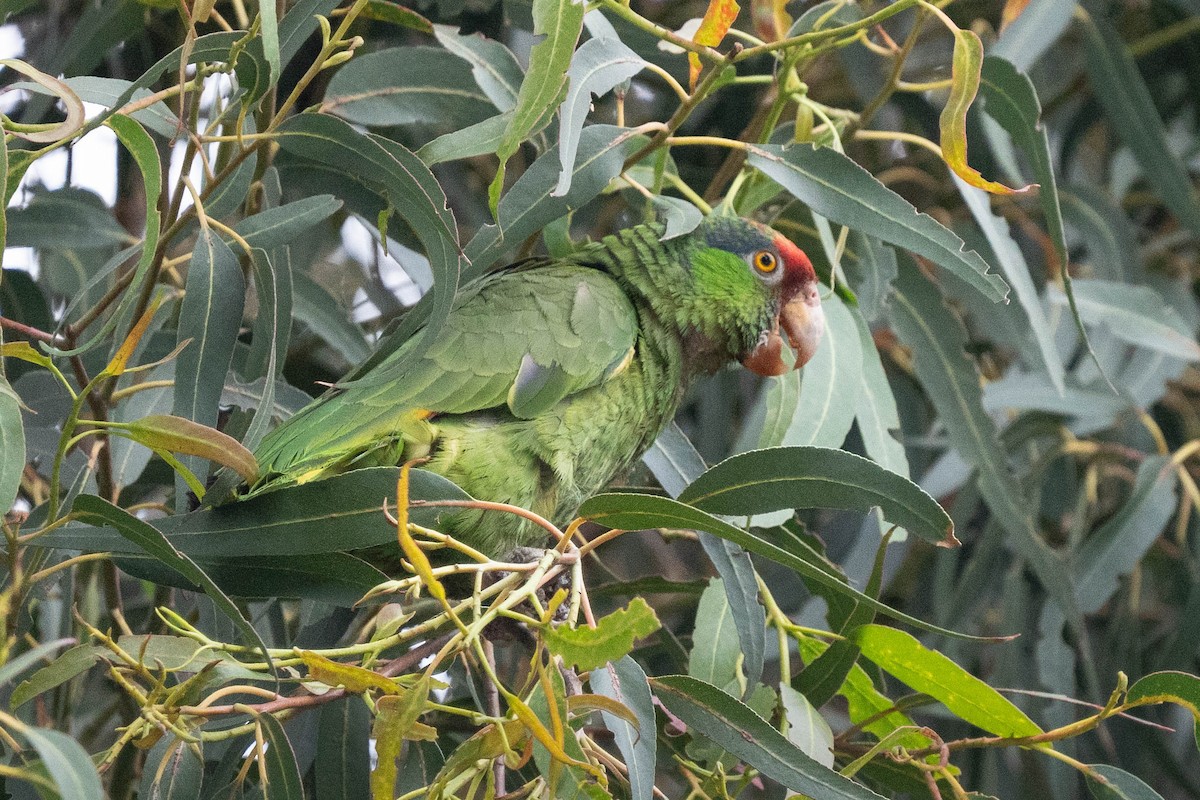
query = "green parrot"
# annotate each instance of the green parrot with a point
(552, 376)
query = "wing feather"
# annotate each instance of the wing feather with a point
(520, 340)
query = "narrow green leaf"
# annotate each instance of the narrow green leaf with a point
(403, 85)
(816, 477)
(561, 22)
(65, 218)
(71, 663)
(639, 512)
(822, 416)
(339, 579)
(625, 682)
(715, 643)
(741, 592)
(100, 512)
(1168, 687)
(867, 705)
(1110, 237)
(494, 67)
(283, 776)
(12, 445)
(839, 189)
(1116, 547)
(1135, 314)
(875, 408)
(1118, 86)
(1016, 272)
(529, 206)
(1120, 785)
(675, 463)
(15, 666)
(317, 309)
(474, 140)
(210, 317)
(930, 672)
(673, 460)
(807, 729)
(271, 335)
(711, 713)
(145, 155)
(69, 765)
(269, 32)
(342, 770)
(937, 339)
(297, 25)
(1012, 101)
(342, 513)
(680, 216)
(396, 14)
(870, 267)
(174, 770)
(279, 226)
(1034, 32)
(412, 190)
(826, 676)
(597, 68)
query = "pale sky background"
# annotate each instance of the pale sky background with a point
(94, 168)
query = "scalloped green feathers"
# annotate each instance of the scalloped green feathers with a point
(547, 379)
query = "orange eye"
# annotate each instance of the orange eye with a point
(765, 261)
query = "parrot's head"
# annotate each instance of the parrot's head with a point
(757, 287)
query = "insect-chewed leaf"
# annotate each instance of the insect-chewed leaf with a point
(839, 189)
(179, 435)
(610, 640)
(352, 678)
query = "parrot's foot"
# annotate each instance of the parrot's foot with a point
(561, 581)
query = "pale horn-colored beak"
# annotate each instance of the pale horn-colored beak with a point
(803, 322)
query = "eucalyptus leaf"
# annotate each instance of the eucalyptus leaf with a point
(596, 68)
(842, 191)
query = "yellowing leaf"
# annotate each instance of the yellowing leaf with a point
(125, 351)
(968, 62)
(179, 435)
(353, 678)
(415, 555)
(716, 23)
(396, 721)
(25, 352)
(771, 20)
(610, 640)
(1012, 10)
(71, 104)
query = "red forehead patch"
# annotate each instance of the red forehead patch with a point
(794, 259)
